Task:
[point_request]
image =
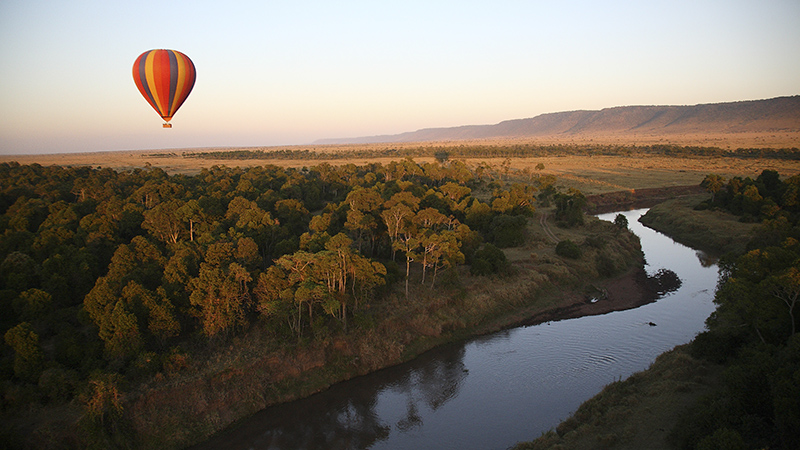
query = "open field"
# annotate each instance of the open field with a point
(590, 174)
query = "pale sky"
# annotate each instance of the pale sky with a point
(290, 72)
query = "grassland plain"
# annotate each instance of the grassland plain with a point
(641, 411)
(590, 174)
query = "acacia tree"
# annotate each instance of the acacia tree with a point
(443, 251)
(250, 220)
(427, 222)
(115, 304)
(361, 217)
(408, 242)
(156, 307)
(394, 218)
(455, 193)
(398, 210)
(287, 282)
(335, 278)
(713, 183)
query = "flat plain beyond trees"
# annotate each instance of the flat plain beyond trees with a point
(588, 170)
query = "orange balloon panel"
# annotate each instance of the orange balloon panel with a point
(165, 78)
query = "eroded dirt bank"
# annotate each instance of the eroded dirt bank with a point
(637, 198)
(631, 290)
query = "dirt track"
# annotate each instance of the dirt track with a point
(547, 231)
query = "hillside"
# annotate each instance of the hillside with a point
(777, 115)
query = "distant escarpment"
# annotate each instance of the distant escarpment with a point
(781, 114)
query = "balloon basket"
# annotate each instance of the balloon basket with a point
(167, 125)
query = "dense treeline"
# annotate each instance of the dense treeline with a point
(499, 151)
(109, 276)
(754, 329)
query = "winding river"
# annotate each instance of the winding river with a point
(493, 391)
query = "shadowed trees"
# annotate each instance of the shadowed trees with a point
(120, 272)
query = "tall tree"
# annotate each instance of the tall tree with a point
(713, 183)
(28, 356)
(165, 220)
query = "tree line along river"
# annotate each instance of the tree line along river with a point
(493, 391)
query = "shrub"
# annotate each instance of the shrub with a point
(480, 267)
(595, 241)
(488, 260)
(722, 438)
(508, 231)
(605, 265)
(58, 384)
(621, 222)
(568, 249)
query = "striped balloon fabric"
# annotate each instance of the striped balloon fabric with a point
(165, 78)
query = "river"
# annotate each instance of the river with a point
(493, 391)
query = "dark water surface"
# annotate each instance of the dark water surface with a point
(494, 391)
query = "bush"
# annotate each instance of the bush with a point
(621, 222)
(58, 384)
(568, 249)
(488, 260)
(508, 231)
(480, 267)
(716, 347)
(595, 241)
(723, 438)
(605, 265)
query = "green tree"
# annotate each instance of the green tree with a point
(569, 207)
(222, 295)
(395, 218)
(120, 333)
(568, 249)
(621, 222)
(288, 282)
(442, 250)
(28, 356)
(713, 183)
(362, 217)
(191, 212)
(33, 304)
(165, 221)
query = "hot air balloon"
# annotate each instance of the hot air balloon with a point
(165, 78)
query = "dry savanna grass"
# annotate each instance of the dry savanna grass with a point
(710, 230)
(590, 174)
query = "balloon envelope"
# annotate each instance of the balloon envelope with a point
(165, 78)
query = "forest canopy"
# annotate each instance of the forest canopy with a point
(114, 274)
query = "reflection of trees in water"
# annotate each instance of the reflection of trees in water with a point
(344, 417)
(664, 281)
(333, 420)
(431, 381)
(705, 259)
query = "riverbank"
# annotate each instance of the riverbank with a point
(642, 410)
(242, 378)
(638, 412)
(638, 198)
(712, 231)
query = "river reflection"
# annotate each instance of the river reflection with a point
(496, 390)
